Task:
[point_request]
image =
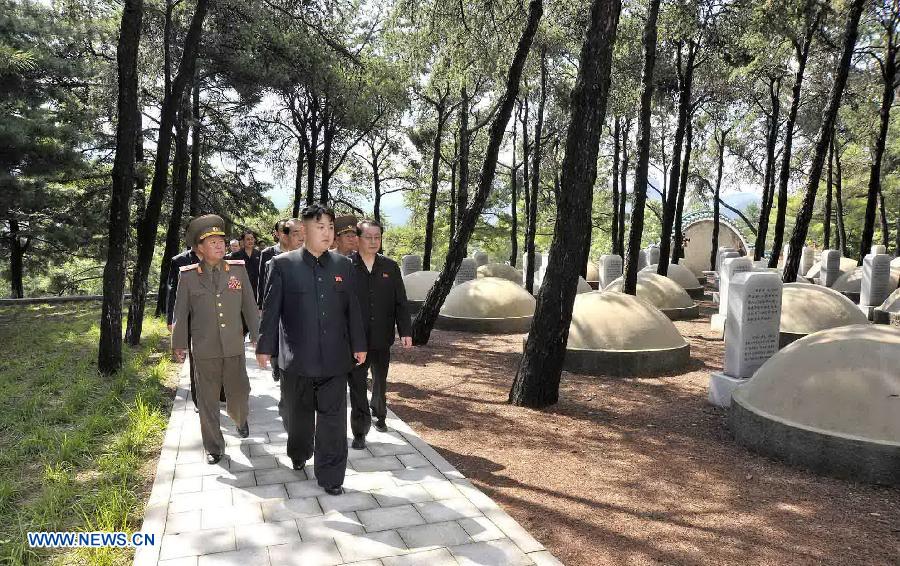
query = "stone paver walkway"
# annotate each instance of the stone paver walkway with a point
(404, 504)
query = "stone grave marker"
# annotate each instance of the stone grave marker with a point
(642, 260)
(481, 258)
(751, 331)
(878, 249)
(610, 269)
(831, 267)
(467, 271)
(410, 264)
(876, 280)
(653, 254)
(807, 259)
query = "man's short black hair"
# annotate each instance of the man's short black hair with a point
(285, 229)
(316, 212)
(279, 226)
(370, 222)
(248, 231)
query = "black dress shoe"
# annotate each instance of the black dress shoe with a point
(359, 443)
(244, 430)
(381, 426)
(337, 490)
(297, 464)
(213, 458)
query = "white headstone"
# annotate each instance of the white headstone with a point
(730, 267)
(878, 249)
(642, 260)
(653, 254)
(752, 324)
(481, 258)
(807, 259)
(831, 267)
(610, 269)
(467, 271)
(410, 264)
(785, 253)
(876, 280)
(539, 276)
(721, 253)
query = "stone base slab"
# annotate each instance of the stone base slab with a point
(685, 313)
(513, 325)
(868, 311)
(721, 387)
(820, 451)
(627, 363)
(698, 293)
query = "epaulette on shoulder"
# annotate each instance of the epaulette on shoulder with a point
(234, 261)
(190, 267)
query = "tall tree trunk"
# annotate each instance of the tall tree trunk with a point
(885, 227)
(526, 184)
(537, 381)
(802, 51)
(643, 160)
(327, 143)
(765, 209)
(435, 177)
(428, 314)
(614, 229)
(887, 100)
(16, 255)
(623, 185)
(376, 185)
(180, 168)
(298, 178)
(196, 181)
(536, 175)
(146, 240)
(514, 203)
(717, 200)
(798, 236)
(829, 184)
(453, 164)
(686, 79)
(312, 150)
(462, 199)
(109, 357)
(677, 230)
(839, 200)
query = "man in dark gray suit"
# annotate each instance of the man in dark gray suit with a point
(312, 319)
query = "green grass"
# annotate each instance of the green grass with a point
(77, 450)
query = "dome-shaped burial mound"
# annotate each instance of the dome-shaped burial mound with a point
(419, 283)
(890, 308)
(582, 287)
(683, 276)
(663, 293)
(850, 282)
(502, 271)
(489, 305)
(846, 265)
(829, 402)
(807, 308)
(617, 334)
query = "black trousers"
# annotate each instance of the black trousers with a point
(379, 361)
(314, 412)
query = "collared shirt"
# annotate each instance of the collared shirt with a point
(382, 300)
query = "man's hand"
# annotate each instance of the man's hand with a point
(360, 358)
(406, 341)
(263, 360)
(179, 354)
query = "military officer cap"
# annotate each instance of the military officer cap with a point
(344, 224)
(204, 227)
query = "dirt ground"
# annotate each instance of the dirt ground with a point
(633, 471)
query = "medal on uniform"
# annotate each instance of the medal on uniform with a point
(234, 283)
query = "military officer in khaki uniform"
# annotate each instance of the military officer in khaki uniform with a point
(212, 298)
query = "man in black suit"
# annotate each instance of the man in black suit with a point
(187, 257)
(250, 255)
(312, 316)
(288, 236)
(382, 299)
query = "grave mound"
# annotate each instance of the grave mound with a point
(622, 335)
(417, 286)
(807, 308)
(850, 282)
(847, 264)
(489, 305)
(889, 309)
(663, 293)
(828, 402)
(683, 276)
(502, 271)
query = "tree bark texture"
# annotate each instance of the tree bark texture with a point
(677, 229)
(765, 209)
(537, 381)
(717, 200)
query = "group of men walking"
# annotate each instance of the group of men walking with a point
(323, 316)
